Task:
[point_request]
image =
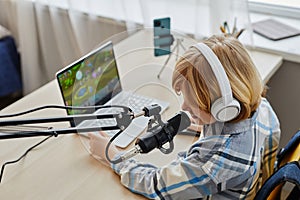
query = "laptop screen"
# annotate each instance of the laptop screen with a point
(91, 80)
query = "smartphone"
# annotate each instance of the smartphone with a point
(163, 38)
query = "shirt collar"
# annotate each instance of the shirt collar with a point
(221, 128)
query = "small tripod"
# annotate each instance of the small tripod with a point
(178, 43)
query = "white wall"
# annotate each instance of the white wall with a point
(284, 95)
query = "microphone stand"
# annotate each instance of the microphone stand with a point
(123, 120)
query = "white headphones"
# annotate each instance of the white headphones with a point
(225, 108)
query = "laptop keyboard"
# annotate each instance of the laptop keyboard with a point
(133, 101)
(103, 122)
(136, 103)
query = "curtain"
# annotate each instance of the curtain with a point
(51, 34)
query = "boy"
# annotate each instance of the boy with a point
(235, 154)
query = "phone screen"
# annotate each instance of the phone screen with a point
(162, 36)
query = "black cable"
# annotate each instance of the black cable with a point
(63, 107)
(17, 160)
(107, 148)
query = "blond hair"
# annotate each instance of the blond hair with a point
(245, 81)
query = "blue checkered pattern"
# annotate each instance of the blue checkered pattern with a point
(230, 161)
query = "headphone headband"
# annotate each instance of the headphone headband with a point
(218, 70)
(225, 108)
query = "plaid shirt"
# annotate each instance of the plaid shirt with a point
(230, 161)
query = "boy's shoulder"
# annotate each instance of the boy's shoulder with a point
(266, 117)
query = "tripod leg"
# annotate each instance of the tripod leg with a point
(166, 62)
(163, 67)
(182, 46)
(177, 50)
(179, 43)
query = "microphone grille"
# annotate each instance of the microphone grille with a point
(184, 122)
(179, 122)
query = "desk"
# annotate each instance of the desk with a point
(61, 168)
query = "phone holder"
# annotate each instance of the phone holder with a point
(175, 48)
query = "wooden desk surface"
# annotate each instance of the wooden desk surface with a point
(62, 168)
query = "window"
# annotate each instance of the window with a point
(285, 8)
(284, 3)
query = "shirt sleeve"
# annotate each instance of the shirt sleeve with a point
(181, 179)
(194, 174)
(271, 144)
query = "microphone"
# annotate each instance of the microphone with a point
(159, 135)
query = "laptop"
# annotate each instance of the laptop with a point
(274, 29)
(94, 80)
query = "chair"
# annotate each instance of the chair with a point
(291, 152)
(10, 76)
(288, 170)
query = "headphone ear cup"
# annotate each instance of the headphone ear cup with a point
(224, 113)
